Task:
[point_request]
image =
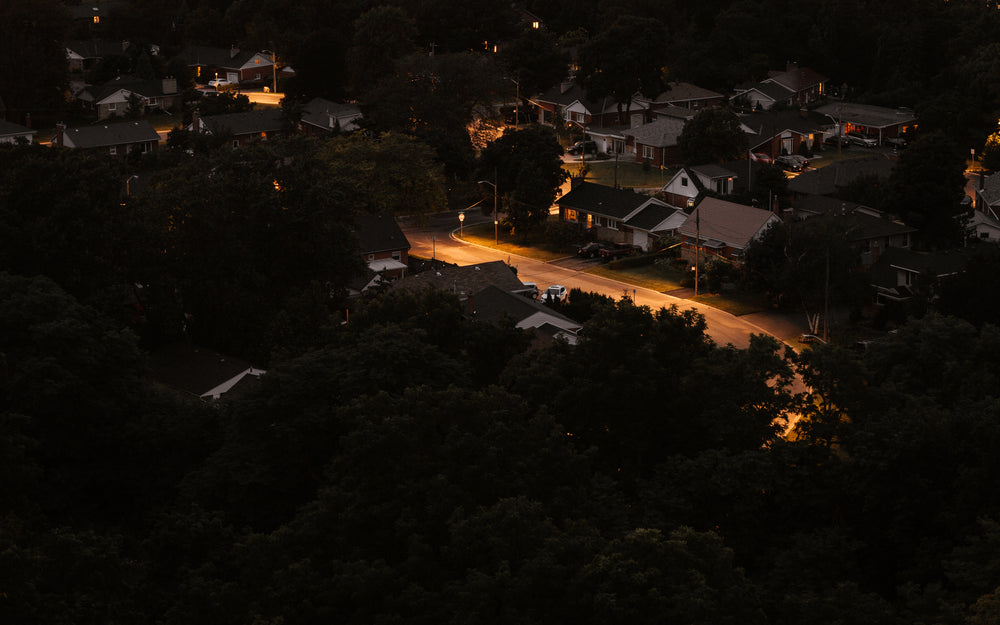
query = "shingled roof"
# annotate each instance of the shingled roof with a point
(463, 280)
(728, 222)
(379, 233)
(602, 200)
(828, 180)
(245, 123)
(106, 135)
(661, 133)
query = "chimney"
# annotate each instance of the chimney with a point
(233, 51)
(169, 85)
(60, 130)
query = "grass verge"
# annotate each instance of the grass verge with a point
(482, 234)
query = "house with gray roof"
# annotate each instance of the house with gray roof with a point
(720, 229)
(114, 97)
(570, 101)
(685, 95)
(118, 140)
(464, 280)
(656, 142)
(871, 231)
(321, 117)
(988, 194)
(794, 86)
(244, 128)
(492, 304)
(14, 133)
(235, 65)
(900, 273)
(615, 215)
(784, 132)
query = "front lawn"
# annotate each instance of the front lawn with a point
(629, 173)
(482, 234)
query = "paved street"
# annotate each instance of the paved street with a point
(438, 239)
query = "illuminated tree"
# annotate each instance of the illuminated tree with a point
(991, 151)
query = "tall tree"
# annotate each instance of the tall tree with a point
(629, 57)
(382, 35)
(527, 164)
(34, 74)
(926, 189)
(713, 135)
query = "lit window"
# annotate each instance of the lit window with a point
(113, 150)
(535, 25)
(112, 106)
(97, 19)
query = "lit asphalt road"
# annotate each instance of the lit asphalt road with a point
(439, 239)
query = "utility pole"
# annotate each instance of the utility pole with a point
(697, 248)
(496, 222)
(826, 293)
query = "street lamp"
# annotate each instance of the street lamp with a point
(517, 102)
(274, 69)
(496, 223)
(461, 224)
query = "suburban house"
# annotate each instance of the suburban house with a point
(617, 215)
(14, 133)
(684, 95)
(983, 226)
(84, 54)
(202, 372)
(383, 245)
(795, 86)
(321, 117)
(872, 231)
(720, 229)
(691, 183)
(118, 139)
(112, 98)
(94, 15)
(244, 128)
(232, 64)
(988, 194)
(657, 142)
(784, 132)
(492, 304)
(840, 174)
(900, 273)
(570, 101)
(464, 281)
(878, 121)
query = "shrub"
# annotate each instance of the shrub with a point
(632, 261)
(561, 233)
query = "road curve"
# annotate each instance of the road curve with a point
(436, 239)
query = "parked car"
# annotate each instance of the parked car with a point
(810, 338)
(591, 250)
(761, 157)
(897, 143)
(218, 83)
(616, 251)
(583, 147)
(857, 138)
(530, 290)
(555, 293)
(792, 162)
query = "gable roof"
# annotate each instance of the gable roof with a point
(661, 133)
(492, 303)
(327, 115)
(147, 88)
(657, 218)
(769, 124)
(95, 48)
(245, 123)
(990, 193)
(201, 372)
(602, 200)
(685, 92)
(770, 90)
(106, 135)
(733, 224)
(379, 233)
(838, 174)
(796, 78)
(12, 130)
(230, 58)
(893, 259)
(676, 112)
(463, 280)
(712, 171)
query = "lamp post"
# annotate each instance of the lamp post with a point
(461, 224)
(496, 222)
(274, 69)
(517, 102)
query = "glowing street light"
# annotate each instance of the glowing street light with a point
(496, 223)
(461, 223)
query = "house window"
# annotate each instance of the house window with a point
(984, 235)
(97, 19)
(570, 214)
(578, 117)
(611, 224)
(112, 106)
(397, 255)
(146, 147)
(684, 181)
(647, 152)
(113, 150)
(598, 221)
(535, 25)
